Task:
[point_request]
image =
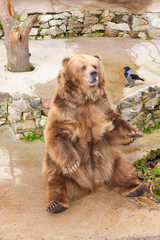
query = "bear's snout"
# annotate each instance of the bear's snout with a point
(93, 74)
(93, 79)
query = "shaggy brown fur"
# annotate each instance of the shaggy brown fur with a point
(81, 133)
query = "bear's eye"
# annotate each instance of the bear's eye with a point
(83, 68)
(95, 67)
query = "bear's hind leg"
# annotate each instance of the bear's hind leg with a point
(125, 180)
(58, 202)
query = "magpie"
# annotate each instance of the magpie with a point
(131, 77)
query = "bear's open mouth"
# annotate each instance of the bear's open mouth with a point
(93, 81)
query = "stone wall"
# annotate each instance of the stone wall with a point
(142, 108)
(93, 23)
(23, 113)
(28, 115)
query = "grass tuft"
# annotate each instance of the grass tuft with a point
(32, 137)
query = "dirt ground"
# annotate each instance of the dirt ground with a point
(98, 216)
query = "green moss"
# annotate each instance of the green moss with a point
(153, 178)
(1, 25)
(5, 67)
(32, 137)
(149, 129)
(156, 182)
(156, 126)
(151, 174)
(66, 36)
(97, 33)
(141, 161)
(32, 67)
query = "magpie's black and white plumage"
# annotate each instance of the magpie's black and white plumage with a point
(131, 77)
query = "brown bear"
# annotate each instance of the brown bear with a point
(82, 134)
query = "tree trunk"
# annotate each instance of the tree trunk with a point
(16, 38)
(17, 55)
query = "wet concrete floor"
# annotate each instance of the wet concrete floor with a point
(22, 188)
(142, 56)
(98, 216)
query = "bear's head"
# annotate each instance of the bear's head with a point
(84, 70)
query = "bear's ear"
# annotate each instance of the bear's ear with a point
(65, 61)
(98, 56)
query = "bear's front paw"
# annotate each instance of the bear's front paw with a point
(70, 166)
(135, 133)
(132, 132)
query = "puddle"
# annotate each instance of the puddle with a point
(5, 172)
(146, 56)
(7, 169)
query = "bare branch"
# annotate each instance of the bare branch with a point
(27, 25)
(7, 20)
(11, 9)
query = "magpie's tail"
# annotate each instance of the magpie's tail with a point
(141, 79)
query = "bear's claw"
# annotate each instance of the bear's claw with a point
(56, 207)
(135, 133)
(138, 191)
(70, 169)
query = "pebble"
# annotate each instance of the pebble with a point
(36, 103)
(142, 93)
(156, 88)
(17, 97)
(152, 95)
(46, 103)
(150, 89)
(2, 121)
(4, 97)
(21, 105)
(25, 96)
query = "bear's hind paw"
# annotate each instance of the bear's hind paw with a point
(56, 207)
(140, 190)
